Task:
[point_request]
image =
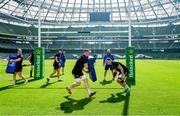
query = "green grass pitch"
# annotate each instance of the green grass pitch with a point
(157, 92)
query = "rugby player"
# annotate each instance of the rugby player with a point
(31, 60)
(79, 70)
(62, 60)
(56, 67)
(123, 72)
(106, 66)
(19, 67)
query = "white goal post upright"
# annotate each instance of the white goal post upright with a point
(39, 24)
(39, 52)
(129, 23)
(130, 51)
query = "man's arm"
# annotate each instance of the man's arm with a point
(104, 59)
(16, 60)
(112, 57)
(64, 58)
(56, 58)
(29, 57)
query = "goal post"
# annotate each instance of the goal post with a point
(130, 62)
(39, 63)
(130, 51)
(39, 52)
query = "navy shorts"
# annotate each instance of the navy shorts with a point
(18, 69)
(78, 75)
(56, 66)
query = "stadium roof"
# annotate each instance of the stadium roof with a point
(78, 11)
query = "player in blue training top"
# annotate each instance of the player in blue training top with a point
(62, 60)
(108, 55)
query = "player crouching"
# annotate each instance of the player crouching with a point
(79, 72)
(123, 72)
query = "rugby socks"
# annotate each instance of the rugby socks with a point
(87, 88)
(87, 85)
(13, 82)
(84, 78)
(126, 87)
(70, 87)
(25, 81)
(59, 77)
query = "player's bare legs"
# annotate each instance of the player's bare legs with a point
(14, 78)
(54, 72)
(78, 83)
(86, 83)
(121, 81)
(58, 74)
(22, 77)
(73, 85)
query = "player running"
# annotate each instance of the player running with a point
(19, 67)
(56, 67)
(80, 67)
(123, 72)
(106, 66)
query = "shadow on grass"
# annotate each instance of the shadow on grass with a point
(18, 82)
(115, 98)
(48, 84)
(126, 103)
(71, 104)
(106, 82)
(118, 97)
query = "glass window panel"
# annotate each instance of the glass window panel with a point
(99, 7)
